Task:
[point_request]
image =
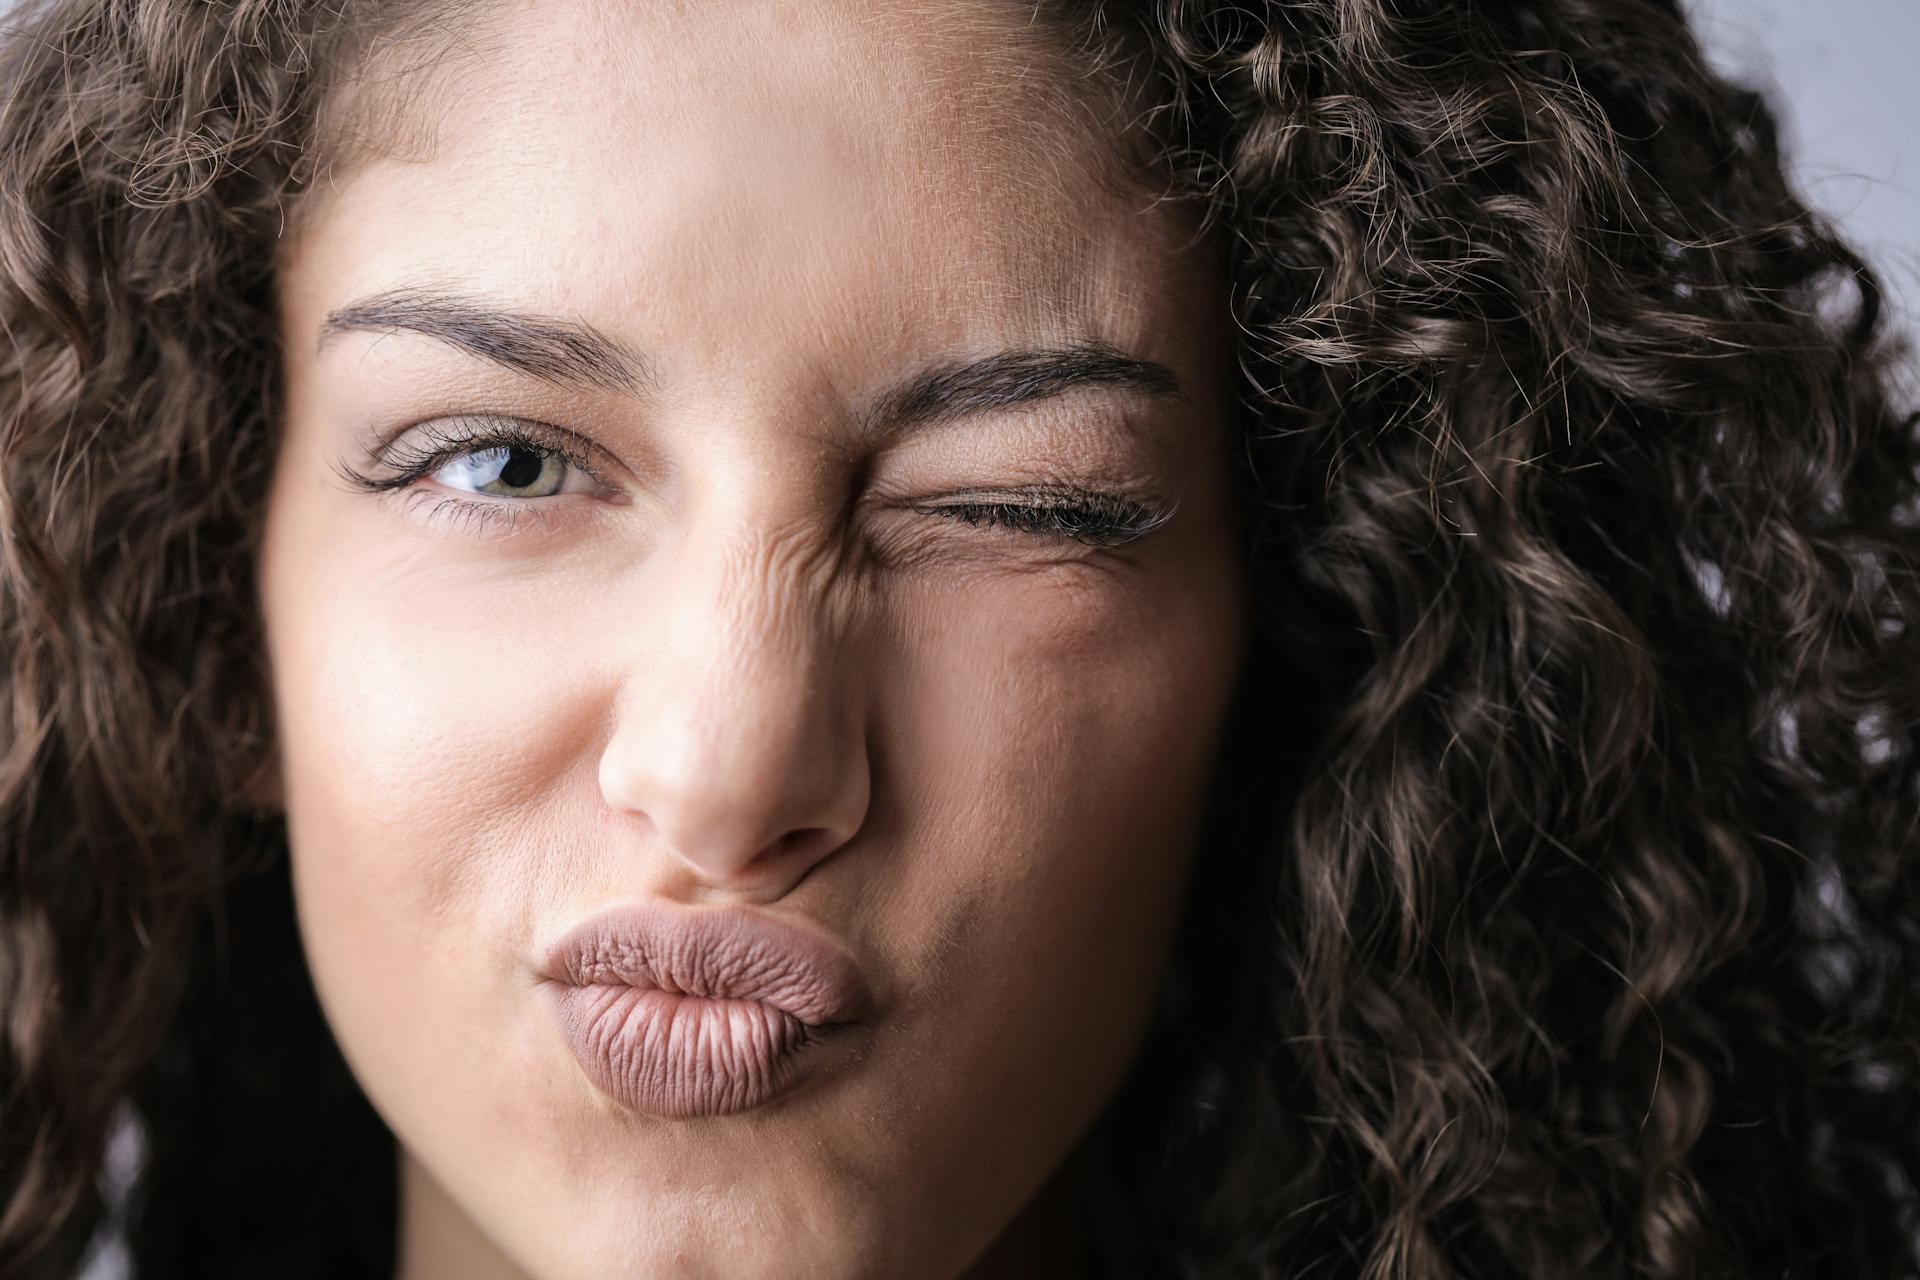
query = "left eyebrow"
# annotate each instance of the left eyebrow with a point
(963, 389)
(568, 353)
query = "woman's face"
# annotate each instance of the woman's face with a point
(795, 285)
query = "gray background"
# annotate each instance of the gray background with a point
(1840, 71)
(1843, 74)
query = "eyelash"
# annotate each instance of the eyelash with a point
(1059, 512)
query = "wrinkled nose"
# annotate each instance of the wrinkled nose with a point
(740, 738)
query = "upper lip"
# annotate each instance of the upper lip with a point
(717, 952)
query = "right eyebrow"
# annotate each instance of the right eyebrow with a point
(568, 353)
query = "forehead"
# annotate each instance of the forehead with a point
(906, 173)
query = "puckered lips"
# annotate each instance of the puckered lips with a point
(680, 1012)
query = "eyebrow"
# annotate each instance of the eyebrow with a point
(572, 353)
(568, 353)
(961, 389)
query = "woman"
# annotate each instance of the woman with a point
(868, 639)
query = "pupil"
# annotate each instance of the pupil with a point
(523, 467)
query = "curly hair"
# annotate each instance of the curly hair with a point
(1560, 911)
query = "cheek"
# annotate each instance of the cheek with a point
(428, 748)
(1058, 745)
(1074, 725)
(422, 733)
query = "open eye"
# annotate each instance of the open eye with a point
(511, 466)
(508, 470)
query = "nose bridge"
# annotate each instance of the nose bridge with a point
(772, 582)
(760, 658)
(744, 750)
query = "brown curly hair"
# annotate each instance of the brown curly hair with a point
(1561, 909)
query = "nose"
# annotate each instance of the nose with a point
(740, 739)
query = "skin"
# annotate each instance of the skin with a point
(991, 748)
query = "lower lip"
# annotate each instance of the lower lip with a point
(680, 1056)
